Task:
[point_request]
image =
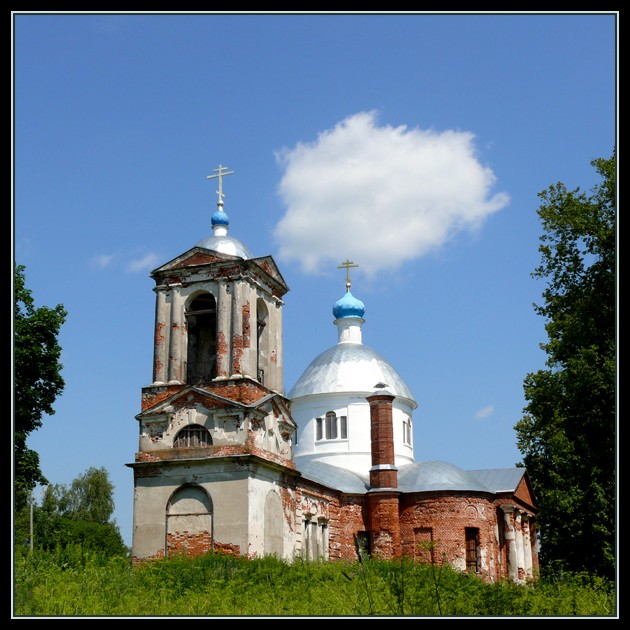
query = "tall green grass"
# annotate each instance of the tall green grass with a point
(75, 583)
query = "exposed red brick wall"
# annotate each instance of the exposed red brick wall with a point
(382, 430)
(383, 478)
(246, 326)
(187, 544)
(237, 353)
(384, 524)
(246, 391)
(198, 544)
(222, 352)
(448, 516)
(175, 454)
(382, 441)
(158, 340)
(288, 495)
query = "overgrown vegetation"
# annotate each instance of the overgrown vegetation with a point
(74, 582)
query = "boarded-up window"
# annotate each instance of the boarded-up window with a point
(424, 547)
(472, 549)
(189, 521)
(315, 546)
(274, 519)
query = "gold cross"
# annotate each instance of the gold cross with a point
(347, 264)
(221, 172)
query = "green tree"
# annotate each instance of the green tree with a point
(37, 380)
(79, 515)
(568, 432)
(90, 496)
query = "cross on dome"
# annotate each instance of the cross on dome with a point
(348, 306)
(347, 265)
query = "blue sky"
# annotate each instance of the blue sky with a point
(415, 145)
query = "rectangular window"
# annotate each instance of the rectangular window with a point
(319, 434)
(344, 427)
(472, 549)
(363, 540)
(407, 430)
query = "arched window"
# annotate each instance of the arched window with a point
(192, 436)
(201, 323)
(331, 425)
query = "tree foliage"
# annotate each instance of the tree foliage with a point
(37, 379)
(568, 432)
(90, 496)
(79, 515)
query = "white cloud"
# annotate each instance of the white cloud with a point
(149, 261)
(379, 195)
(102, 260)
(484, 412)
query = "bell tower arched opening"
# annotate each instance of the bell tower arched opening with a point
(262, 334)
(201, 324)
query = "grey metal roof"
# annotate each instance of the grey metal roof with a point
(225, 245)
(430, 476)
(500, 479)
(437, 476)
(348, 367)
(335, 477)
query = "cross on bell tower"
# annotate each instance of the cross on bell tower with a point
(221, 172)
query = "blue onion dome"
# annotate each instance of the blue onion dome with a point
(348, 306)
(220, 241)
(220, 218)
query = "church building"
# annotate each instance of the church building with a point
(227, 462)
